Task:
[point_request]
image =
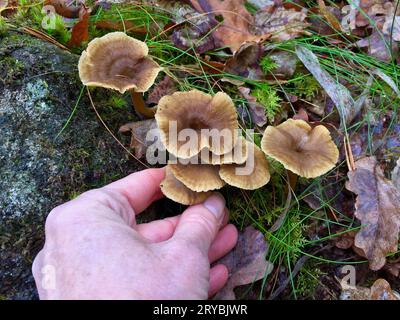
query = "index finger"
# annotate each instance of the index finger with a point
(140, 188)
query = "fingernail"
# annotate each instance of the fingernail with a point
(216, 205)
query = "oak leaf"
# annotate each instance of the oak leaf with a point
(257, 110)
(138, 131)
(234, 30)
(378, 209)
(283, 24)
(165, 87)
(246, 263)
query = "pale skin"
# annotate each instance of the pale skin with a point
(94, 248)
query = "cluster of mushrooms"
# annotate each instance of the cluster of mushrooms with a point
(119, 62)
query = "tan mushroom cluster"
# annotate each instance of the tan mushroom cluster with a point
(306, 151)
(202, 130)
(208, 163)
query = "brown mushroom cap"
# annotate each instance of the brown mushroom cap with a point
(198, 177)
(254, 179)
(118, 62)
(237, 155)
(196, 110)
(175, 190)
(308, 152)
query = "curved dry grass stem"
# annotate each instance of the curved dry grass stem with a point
(112, 134)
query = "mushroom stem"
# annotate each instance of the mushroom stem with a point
(140, 106)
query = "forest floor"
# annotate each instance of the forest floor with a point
(331, 63)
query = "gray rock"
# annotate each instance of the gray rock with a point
(39, 87)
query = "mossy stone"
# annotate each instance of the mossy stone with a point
(39, 88)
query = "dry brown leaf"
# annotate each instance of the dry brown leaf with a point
(80, 31)
(138, 130)
(286, 63)
(301, 114)
(194, 29)
(377, 46)
(165, 87)
(392, 268)
(257, 110)
(66, 8)
(234, 30)
(246, 61)
(345, 241)
(377, 208)
(283, 24)
(246, 263)
(324, 28)
(330, 18)
(8, 8)
(381, 18)
(360, 14)
(380, 290)
(384, 143)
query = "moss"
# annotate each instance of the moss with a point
(10, 69)
(29, 14)
(269, 98)
(267, 64)
(22, 235)
(308, 280)
(113, 107)
(13, 40)
(3, 26)
(117, 102)
(60, 31)
(306, 86)
(289, 240)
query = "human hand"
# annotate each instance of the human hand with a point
(95, 249)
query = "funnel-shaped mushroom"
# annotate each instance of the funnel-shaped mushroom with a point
(237, 155)
(308, 152)
(119, 62)
(198, 177)
(177, 191)
(250, 175)
(191, 121)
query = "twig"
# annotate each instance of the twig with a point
(115, 138)
(43, 36)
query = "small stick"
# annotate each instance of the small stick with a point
(349, 154)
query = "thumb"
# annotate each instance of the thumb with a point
(200, 223)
